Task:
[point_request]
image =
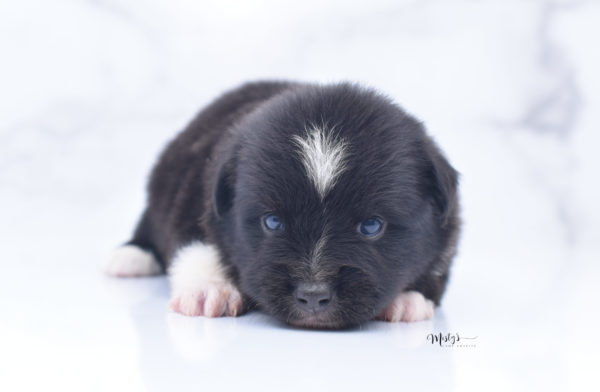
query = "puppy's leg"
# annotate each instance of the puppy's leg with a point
(137, 257)
(199, 284)
(408, 306)
(419, 299)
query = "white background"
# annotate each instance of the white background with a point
(90, 91)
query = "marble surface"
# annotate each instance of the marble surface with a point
(91, 90)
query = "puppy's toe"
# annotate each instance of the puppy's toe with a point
(208, 299)
(408, 306)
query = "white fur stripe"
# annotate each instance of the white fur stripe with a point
(323, 157)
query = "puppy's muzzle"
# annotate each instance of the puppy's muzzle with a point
(314, 297)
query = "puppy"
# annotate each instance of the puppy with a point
(324, 206)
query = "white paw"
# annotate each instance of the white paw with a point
(129, 261)
(408, 306)
(199, 284)
(208, 299)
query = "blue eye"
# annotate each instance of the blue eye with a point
(370, 227)
(272, 222)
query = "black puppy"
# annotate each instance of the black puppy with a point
(325, 206)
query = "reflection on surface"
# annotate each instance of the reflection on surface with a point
(133, 291)
(200, 338)
(255, 349)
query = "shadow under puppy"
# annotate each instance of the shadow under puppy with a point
(323, 205)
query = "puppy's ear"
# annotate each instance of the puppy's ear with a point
(443, 181)
(224, 189)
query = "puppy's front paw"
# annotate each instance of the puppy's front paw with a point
(200, 286)
(209, 299)
(408, 306)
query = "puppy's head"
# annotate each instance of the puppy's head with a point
(331, 202)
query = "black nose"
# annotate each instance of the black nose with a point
(314, 297)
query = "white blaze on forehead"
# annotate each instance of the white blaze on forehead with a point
(323, 157)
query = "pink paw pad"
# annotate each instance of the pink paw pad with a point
(408, 307)
(212, 300)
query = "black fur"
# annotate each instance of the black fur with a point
(236, 161)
